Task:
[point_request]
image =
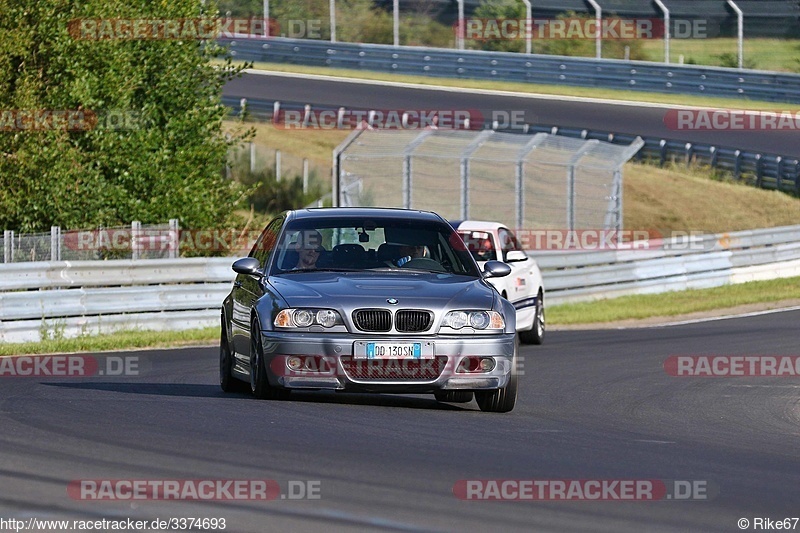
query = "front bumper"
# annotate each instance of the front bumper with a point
(332, 363)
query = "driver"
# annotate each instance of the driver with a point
(409, 252)
(309, 247)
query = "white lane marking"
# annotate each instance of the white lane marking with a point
(767, 386)
(444, 88)
(725, 317)
(650, 441)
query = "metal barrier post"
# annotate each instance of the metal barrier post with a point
(174, 238)
(8, 242)
(664, 9)
(136, 230)
(55, 252)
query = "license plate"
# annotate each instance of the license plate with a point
(393, 350)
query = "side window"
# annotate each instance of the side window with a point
(265, 245)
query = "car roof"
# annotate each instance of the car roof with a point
(347, 212)
(477, 225)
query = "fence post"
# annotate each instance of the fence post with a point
(305, 176)
(276, 112)
(464, 213)
(252, 157)
(779, 173)
(136, 229)
(8, 243)
(571, 196)
(174, 238)
(407, 181)
(277, 165)
(55, 241)
(737, 165)
(796, 176)
(759, 170)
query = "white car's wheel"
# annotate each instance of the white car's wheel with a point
(535, 335)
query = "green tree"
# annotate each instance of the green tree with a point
(166, 163)
(503, 9)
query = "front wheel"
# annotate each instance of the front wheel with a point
(500, 400)
(227, 382)
(259, 383)
(535, 335)
(453, 396)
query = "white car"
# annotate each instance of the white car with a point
(523, 287)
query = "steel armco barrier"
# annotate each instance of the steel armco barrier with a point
(87, 297)
(533, 68)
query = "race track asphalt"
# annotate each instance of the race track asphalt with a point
(592, 405)
(638, 119)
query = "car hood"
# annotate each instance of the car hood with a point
(372, 289)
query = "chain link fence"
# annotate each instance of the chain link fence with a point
(524, 181)
(137, 241)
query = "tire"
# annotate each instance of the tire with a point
(535, 335)
(227, 382)
(454, 396)
(500, 400)
(259, 383)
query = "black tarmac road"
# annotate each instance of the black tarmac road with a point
(638, 119)
(593, 405)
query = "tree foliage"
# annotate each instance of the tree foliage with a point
(168, 160)
(503, 9)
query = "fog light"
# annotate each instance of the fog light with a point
(294, 363)
(487, 364)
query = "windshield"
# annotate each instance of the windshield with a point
(479, 244)
(371, 244)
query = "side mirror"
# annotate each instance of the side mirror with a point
(249, 266)
(516, 255)
(496, 269)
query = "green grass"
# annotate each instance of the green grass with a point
(671, 304)
(121, 340)
(759, 53)
(531, 88)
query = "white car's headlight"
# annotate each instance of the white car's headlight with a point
(474, 319)
(303, 318)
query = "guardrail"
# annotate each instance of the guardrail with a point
(63, 298)
(691, 262)
(52, 299)
(532, 68)
(768, 171)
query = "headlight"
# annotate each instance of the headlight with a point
(303, 318)
(474, 319)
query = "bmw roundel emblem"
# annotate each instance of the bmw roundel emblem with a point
(392, 301)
